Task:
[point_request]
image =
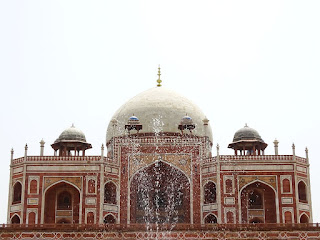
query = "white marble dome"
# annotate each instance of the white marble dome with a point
(159, 110)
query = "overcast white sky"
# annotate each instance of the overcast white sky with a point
(64, 62)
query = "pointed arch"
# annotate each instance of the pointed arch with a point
(15, 219)
(302, 191)
(229, 186)
(91, 185)
(33, 186)
(62, 181)
(109, 219)
(259, 181)
(62, 197)
(110, 192)
(167, 193)
(17, 192)
(286, 185)
(210, 192)
(210, 218)
(158, 161)
(304, 218)
(258, 203)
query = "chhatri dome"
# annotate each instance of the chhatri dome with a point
(71, 134)
(71, 140)
(159, 110)
(247, 133)
(247, 141)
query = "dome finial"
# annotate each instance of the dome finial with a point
(159, 81)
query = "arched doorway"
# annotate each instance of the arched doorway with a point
(17, 190)
(160, 193)
(304, 218)
(15, 219)
(90, 218)
(302, 192)
(109, 219)
(62, 204)
(210, 195)
(258, 204)
(32, 218)
(210, 219)
(110, 193)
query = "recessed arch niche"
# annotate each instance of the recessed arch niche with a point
(258, 204)
(62, 202)
(160, 193)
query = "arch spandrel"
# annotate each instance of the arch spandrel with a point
(270, 180)
(211, 179)
(181, 161)
(49, 181)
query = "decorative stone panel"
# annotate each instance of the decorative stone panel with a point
(110, 208)
(287, 200)
(48, 181)
(244, 180)
(91, 201)
(210, 207)
(182, 161)
(229, 200)
(32, 201)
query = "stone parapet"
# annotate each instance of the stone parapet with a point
(58, 159)
(161, 232)
(257, 158)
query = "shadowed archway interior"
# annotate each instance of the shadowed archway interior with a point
(62, 204)
(258, 204)
(160, 193)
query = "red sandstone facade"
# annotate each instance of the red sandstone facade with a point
(100, 189)
(160, 178)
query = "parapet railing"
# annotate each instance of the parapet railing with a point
(223, 158)
(59, 159)
(227, 158)
(162, 227)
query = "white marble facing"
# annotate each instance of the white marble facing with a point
(159, 110)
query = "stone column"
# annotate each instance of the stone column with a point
(276, 142)
(12, 152)
(293, 150)
(42, 147)
(25, 151)
(102, 152)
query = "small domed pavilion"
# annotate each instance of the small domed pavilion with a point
(71, 139)
(248, 142)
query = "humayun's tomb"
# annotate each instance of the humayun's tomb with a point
(156, 178)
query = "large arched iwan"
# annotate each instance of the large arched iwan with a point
(62, 197)
(160, 193)
(258, 203)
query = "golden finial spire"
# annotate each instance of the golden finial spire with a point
(159, 80)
